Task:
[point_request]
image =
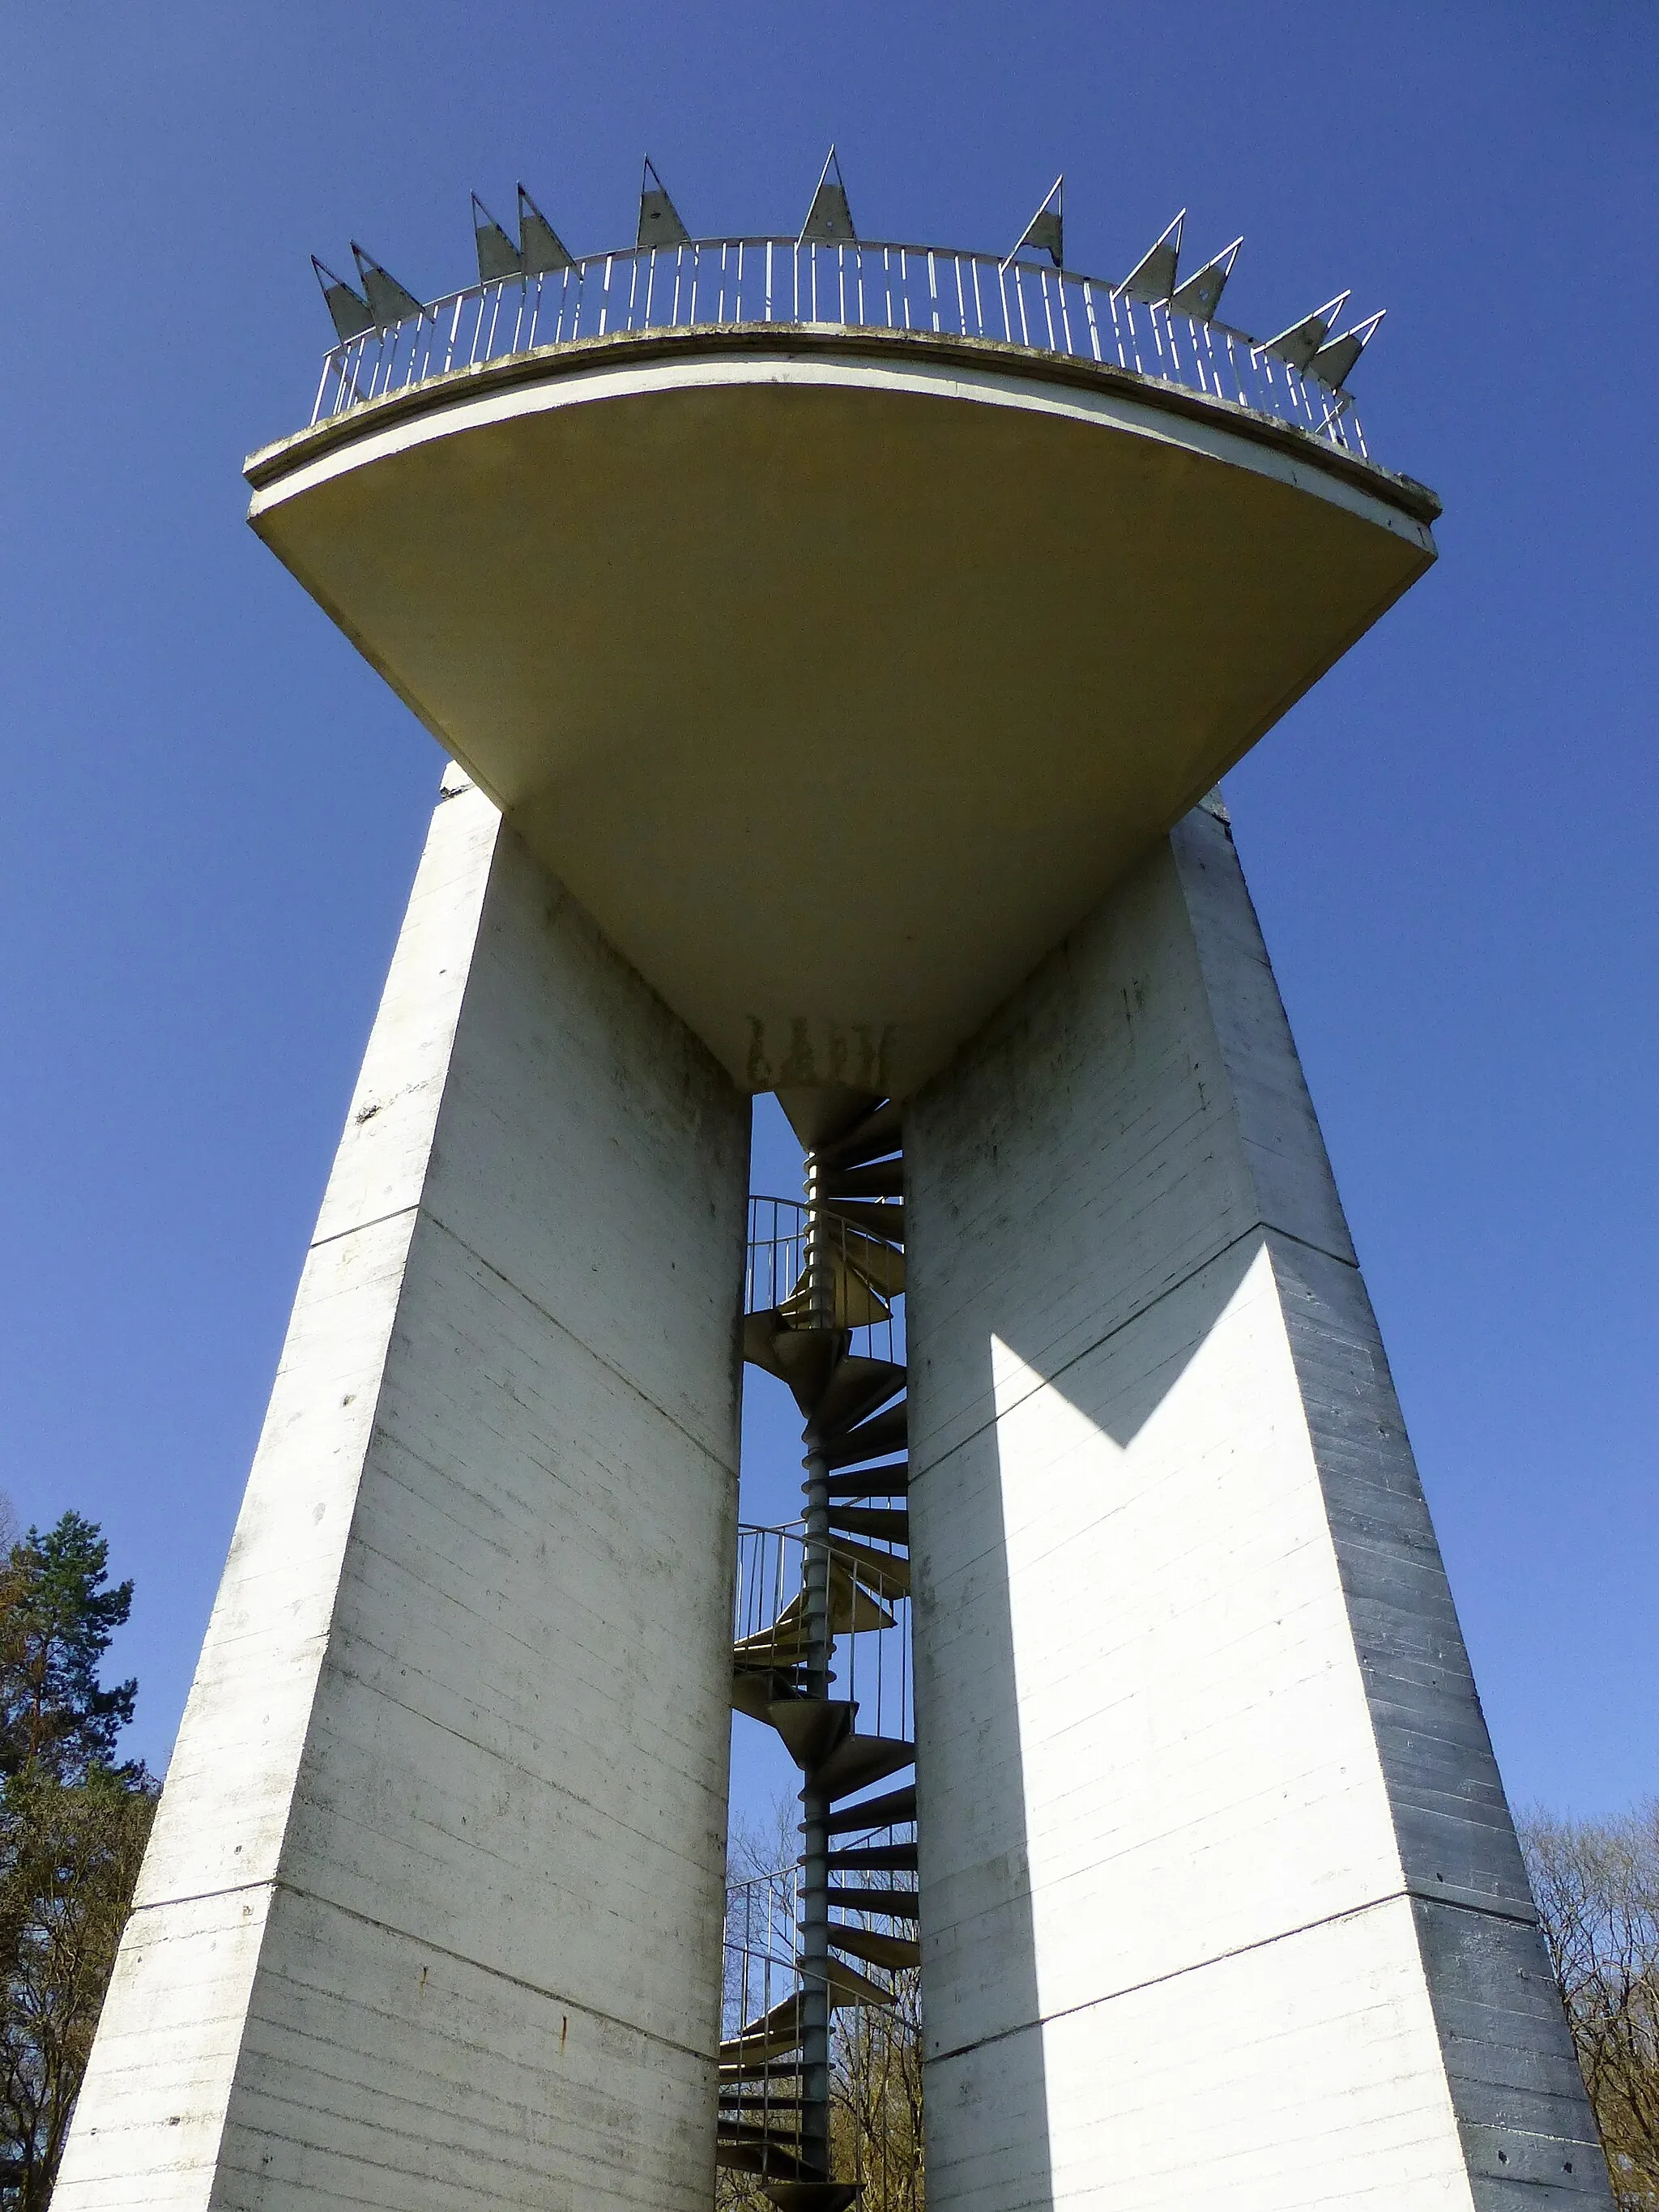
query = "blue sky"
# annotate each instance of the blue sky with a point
(213, 809)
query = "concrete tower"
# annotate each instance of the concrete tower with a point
(835, 644)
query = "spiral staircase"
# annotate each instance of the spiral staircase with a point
(821, 1650)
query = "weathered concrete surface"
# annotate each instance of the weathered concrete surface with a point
(1221, 1902)
(432, 1915)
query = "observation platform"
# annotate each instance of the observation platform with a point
(840, 622)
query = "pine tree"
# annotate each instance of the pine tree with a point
(72, 1830)
(57, 1620)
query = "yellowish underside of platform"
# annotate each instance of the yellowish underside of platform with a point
(837, 698)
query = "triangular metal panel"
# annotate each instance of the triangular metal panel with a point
(1302, 341)
(388, 301)
(543, 249)
(349, 309)
(498, 257)
(1153, 276)
(1201, 294)
(828, 220)
(1046, 230)
(1333, 363)
(659, 222)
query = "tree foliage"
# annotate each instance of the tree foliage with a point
(875, 2090)
(1596, 1885)
(73, 1825)
(56, 1622)
(69, 1853)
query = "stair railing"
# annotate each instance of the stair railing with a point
(790, 1242)
(871, 1662)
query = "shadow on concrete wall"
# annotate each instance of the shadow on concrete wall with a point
(997, 1519)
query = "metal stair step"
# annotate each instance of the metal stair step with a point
(881, 1265)
(893, 1952)
(872, 1215)
(758, 2042)
(757, 2153)
(884, 1903)
(801, 1356)
(890, 1522)
(812, 2196)
(853, 1607)
(859, 1760)
(891, 1810)
(886, 1574)
(823, 1114)
(878, 1133)
(849, 1987)
(885, 1180)
(892, 1480)
(875, 1858)
(811, 1728)
(755, 1689)
(872, 1439)
(858, 1386)
(774, 2069)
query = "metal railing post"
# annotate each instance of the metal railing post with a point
(819, 1271)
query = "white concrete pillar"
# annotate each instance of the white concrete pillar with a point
(432, 1916)
(1221, 1903)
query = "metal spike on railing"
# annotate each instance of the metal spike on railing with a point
(540, 247)
(1201, 294)
(388, 301)
(1334, 361)
(1302, 341)
(1046, 230)
(349, 309)
(1153, 276)
(828, 220)
(659, 222)
(498, 257)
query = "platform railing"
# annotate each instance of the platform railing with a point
(716, 283)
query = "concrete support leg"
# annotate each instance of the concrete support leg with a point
(432, 1916)
(1221, 1902)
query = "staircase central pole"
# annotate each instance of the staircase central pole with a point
(815, 1867)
